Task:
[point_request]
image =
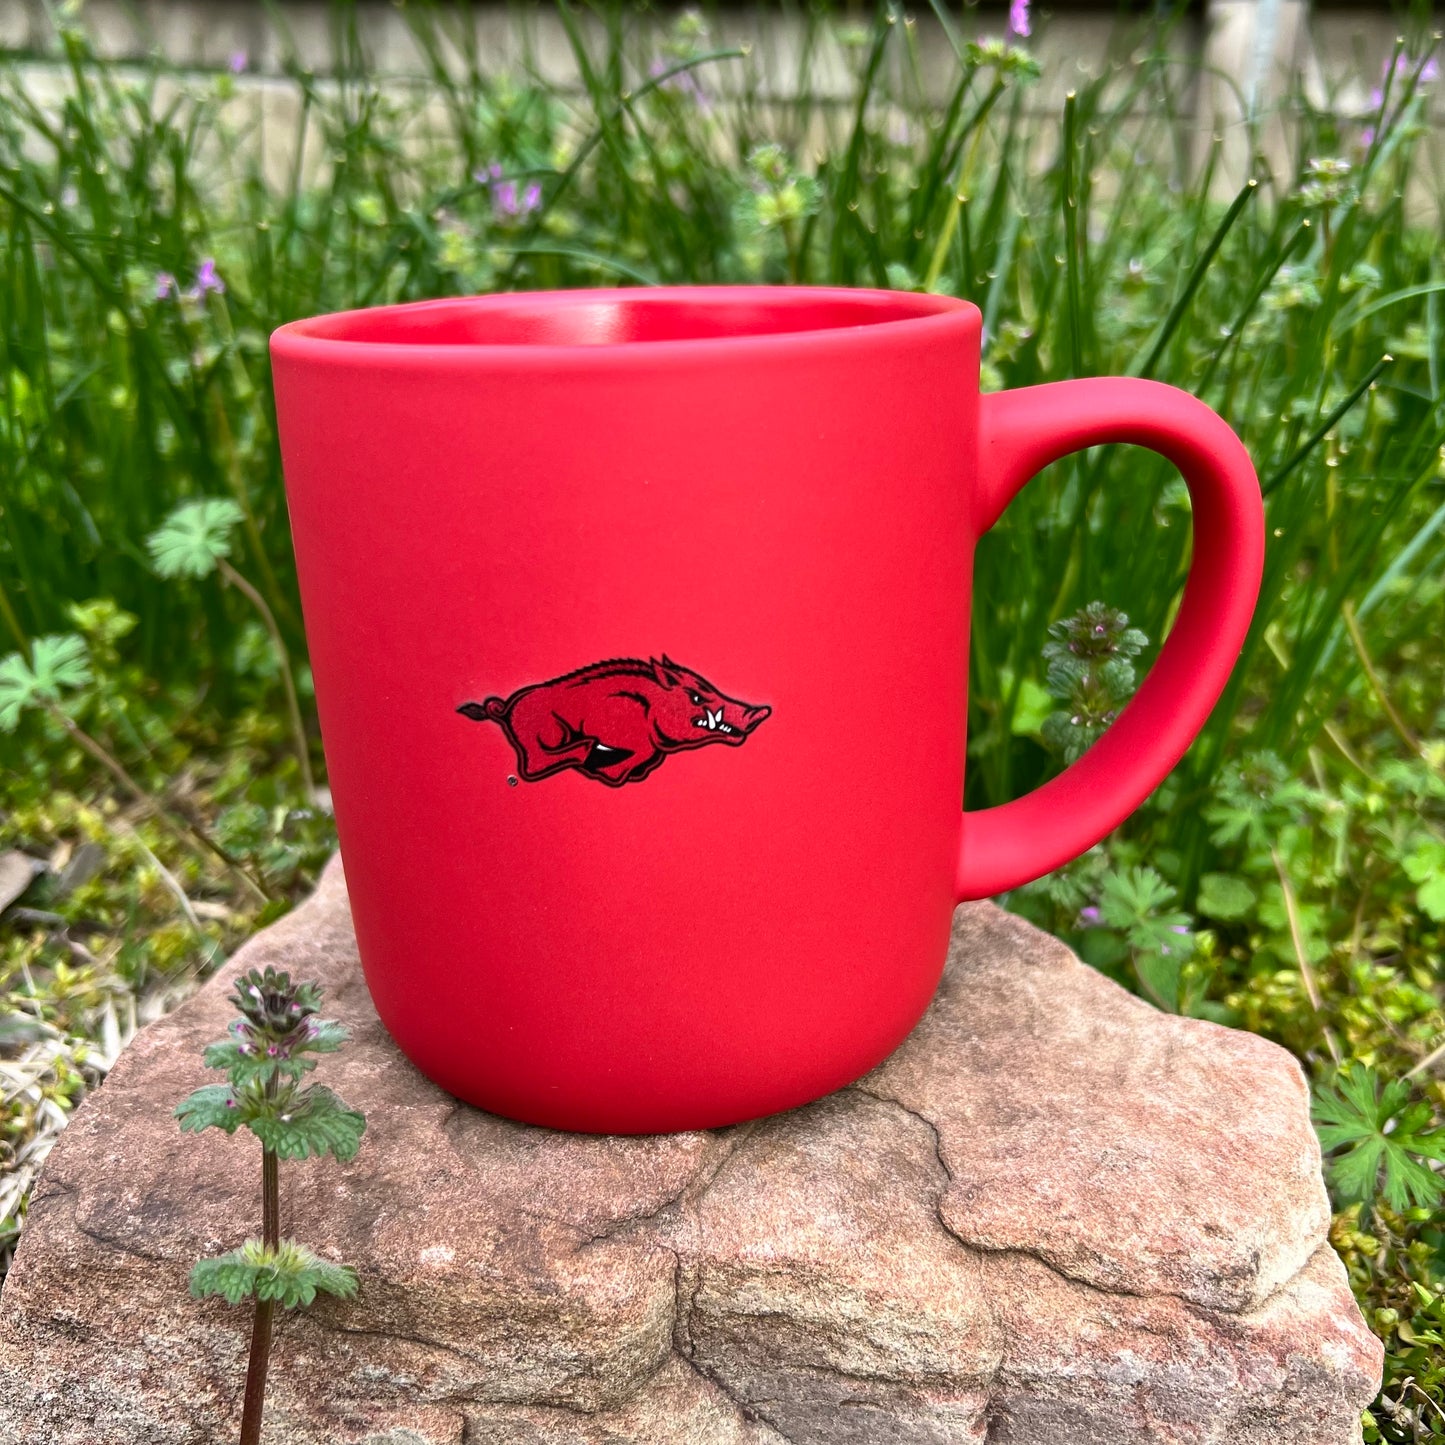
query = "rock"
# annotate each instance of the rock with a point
(1054, 1217)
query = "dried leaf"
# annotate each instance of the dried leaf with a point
(17, 872)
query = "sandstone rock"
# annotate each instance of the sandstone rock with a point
(1053, 1217)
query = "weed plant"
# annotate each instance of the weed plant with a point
(265, 1056)
(1288, 878)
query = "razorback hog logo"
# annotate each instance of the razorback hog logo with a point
(617, 720)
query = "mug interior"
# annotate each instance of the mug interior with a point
(613, 317)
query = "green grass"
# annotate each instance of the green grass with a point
(1289, 878)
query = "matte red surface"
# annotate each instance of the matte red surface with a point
(781, 490)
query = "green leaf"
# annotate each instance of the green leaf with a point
(230, 1276)
(1254, 801)
(60, 662)
(327, 1036)
(17, 690)
(1430, 895)
(315, 1122)
(211, 1107)
(1380, 1141)
(302, 1286)
(245, 1067)
(101, 621)
(290, 1274)
(243, 828)
(194, 538)
(1135, 901)
(1160, 977)
(1223, 896)
(57, 662)
(1425, 865)
(1031, 707)
(1132, 894)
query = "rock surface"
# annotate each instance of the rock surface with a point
(1053, 1217)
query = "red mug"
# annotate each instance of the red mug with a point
(639, 626)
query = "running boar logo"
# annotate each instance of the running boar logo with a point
(616, 721)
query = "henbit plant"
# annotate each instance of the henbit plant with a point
(776, 203)
(195, 541)
(265, 1057)
(1090, 670)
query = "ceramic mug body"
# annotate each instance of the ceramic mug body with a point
(639, 628)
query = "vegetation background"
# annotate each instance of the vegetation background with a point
(160, 755)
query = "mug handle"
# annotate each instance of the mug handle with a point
(1021, 432)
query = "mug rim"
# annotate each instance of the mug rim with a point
(883, 315)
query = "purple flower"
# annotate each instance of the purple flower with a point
(509, 204)
(206, 281)
(1178, 928)
(1401, 69)
(1018, 18)
(684, 83)
(1090, 916)
(165, 285)
(1429, 72)
(486, 175)
(237, 63)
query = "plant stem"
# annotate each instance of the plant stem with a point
(1153, 992)
(102, 755)
(188, 832)
(7, 612)
(1069, 201)
(254, 1404)
(1432, 1057)
(1296, 934)
(1281, 656)
(260, 1359)
(238, 487)
(960, 191)
(293, 707)
(270, 1200)
(1357, 641)
(1326, 426)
